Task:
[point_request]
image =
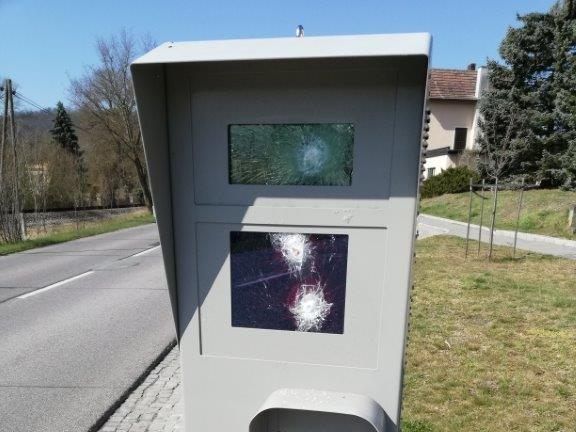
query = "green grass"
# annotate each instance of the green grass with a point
(68, 233)
(544, 211)
(492, 345)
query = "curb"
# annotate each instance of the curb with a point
(112, 409)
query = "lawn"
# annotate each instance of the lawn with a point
(492, 345)
(544, 211)
(70, 232)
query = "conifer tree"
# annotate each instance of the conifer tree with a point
(64, 134)
(63, 131)
(529, 112)
(516, 108)
(560, 160)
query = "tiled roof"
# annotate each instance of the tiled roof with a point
(453, 84)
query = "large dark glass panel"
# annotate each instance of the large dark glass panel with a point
(288, 281)
(291, 154)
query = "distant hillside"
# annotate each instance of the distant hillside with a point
(35, 120)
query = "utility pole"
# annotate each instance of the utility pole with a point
(4, 131)
(10, 211)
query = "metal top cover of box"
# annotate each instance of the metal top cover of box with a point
(285, 181)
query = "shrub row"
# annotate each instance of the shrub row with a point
(452, 180)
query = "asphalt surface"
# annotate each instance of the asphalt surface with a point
(431, 225)
(70, 348)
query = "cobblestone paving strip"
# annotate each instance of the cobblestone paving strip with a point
(156, 405)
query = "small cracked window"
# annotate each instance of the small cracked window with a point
(291, 154)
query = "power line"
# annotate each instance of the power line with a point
(30, 102)
(25, 99)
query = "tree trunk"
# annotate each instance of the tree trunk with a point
(144, 185)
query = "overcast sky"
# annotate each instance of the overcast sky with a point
(45, 43)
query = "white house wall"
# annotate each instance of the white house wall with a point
(446, 116)
(441, 163)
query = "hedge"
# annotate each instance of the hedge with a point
(452, 180)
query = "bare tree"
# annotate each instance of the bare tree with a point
(36, 175)
(104, 94)
(499, 153)
(104, 168)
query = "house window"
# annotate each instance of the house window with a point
(431, 172)
(460, 135)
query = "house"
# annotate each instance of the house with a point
(453, 104)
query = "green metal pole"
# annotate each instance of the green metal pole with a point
(481, 219)
(493, 222)
(469, 217)
(518, 218)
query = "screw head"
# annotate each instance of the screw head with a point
(300, 31)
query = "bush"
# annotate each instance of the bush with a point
(452, 180)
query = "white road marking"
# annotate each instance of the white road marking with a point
(147, 251)
(55, 285)
(73, 278)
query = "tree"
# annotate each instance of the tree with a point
(528, 113)
(104, 168)
(560, 161)
(63, 131)
(515, 110)
(64, 134)
(105, 96)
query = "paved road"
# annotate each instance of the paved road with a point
(69, 350)
(430, 225)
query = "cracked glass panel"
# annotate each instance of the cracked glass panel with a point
(291, 154)
(288, 281)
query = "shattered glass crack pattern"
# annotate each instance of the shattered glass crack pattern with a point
(310, 308)
(288, 281)
(295, 249)
(316, 154)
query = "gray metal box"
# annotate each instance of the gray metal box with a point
(285, 175)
